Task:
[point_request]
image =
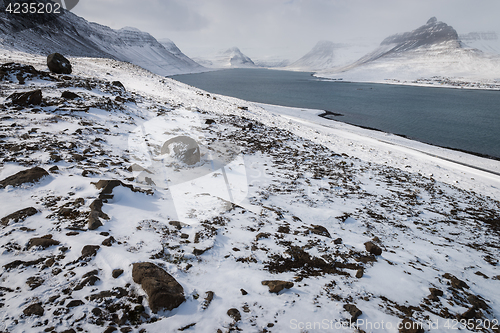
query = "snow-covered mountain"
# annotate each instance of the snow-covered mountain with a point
(433, 49)
(320, 57)
(230, 58)
(484, 41)
(72, 35)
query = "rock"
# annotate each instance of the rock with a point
(435, 293)
(34, 282)
(110, 329)
(409, 326)
(373, 249)
(58, 64)
(163, 291)
(27, 98)
(244, 292)
(89, 251)
(116, 273)
(74, 303)
(43, 242)
(455, 282)
(118, 84)
(69, 95)
(34, 310)
(353, 311)
(96, 212)
(359, 273)
(208, 299)
(337, 241)
(88, 281)
(477, 302)
(209, 121)
(107, 185)
(275, 286)
(108, 241)
(320, 230)
(54, 169)
(234, 313)
(20, 215)
(26, 176)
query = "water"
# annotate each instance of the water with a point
(457, 118)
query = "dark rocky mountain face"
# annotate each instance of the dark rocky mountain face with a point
(433, 32)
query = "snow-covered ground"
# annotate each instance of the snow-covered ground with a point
(316, 191)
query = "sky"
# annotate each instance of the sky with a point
(284, 29)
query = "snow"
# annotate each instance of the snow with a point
(425, 206)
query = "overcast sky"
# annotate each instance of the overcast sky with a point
(284, 28)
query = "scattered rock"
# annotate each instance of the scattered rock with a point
(409, 326)
(209, 121)
(320, 230)
(74, 303)
(34, 310)
(209, 296)
(477, 302)
(18, 216)
(163, 291)
(44, 242)
(87, 281)
(34, 282)
(89, 251)
(234, 313)
(275, 286)
(108, 241)
(435, 293)
(118, 84)
(337, 241)
(26, 176)
(359, 273)
(186, 327)
(116, 273)
(69, 95)
(353, 311)
(373, 249)
(455, 282)
(58, 64)
(27, 98)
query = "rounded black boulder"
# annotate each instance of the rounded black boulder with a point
(58, 64)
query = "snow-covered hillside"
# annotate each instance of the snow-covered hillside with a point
(331, 223)
(72, 35)
(484, 41)
(230, 58)
(433, 49)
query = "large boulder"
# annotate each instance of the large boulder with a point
(27, 98)
(26, 176)
(164, 292)
(58, 64)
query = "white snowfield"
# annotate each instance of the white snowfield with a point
(317, 191)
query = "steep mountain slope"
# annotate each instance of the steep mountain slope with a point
(230, 58)
(321, 56)
(72, 35)
(323, 230)
(433, 49)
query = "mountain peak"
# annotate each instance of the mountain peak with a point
(432, 20)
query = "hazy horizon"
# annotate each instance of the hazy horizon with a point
(284, 29)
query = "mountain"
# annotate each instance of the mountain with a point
(320, 57)
(72, 35)
(230, 58)
(433, 49)
(484, 41)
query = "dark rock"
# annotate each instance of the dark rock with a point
(187, 327)
(34, 282)
(34, 310)
(373, 249)
(409, 326)
(208, 299)
(118, 84)
(54, 169)
(199, 252)
(58, 64)
(477, 302)
(91, 273)
(455, 282)
(176, 224)
(359, 273)
(116, 273)
(244, 292)
(435, 293)
(89, 251)
(89, 281)
(27, 98)
(110, 329)
(163, 291)
(234, 313)
(20, 215)
(353, 311)
(337, 241)
(320, 230)
(74, 303)
(469, 314)
(96, 212)
(108, 241)
(69, 95)
(209, 121)
(26, 176)
(43, 242)
(275, 286)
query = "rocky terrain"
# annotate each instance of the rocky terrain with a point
(314, 240)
